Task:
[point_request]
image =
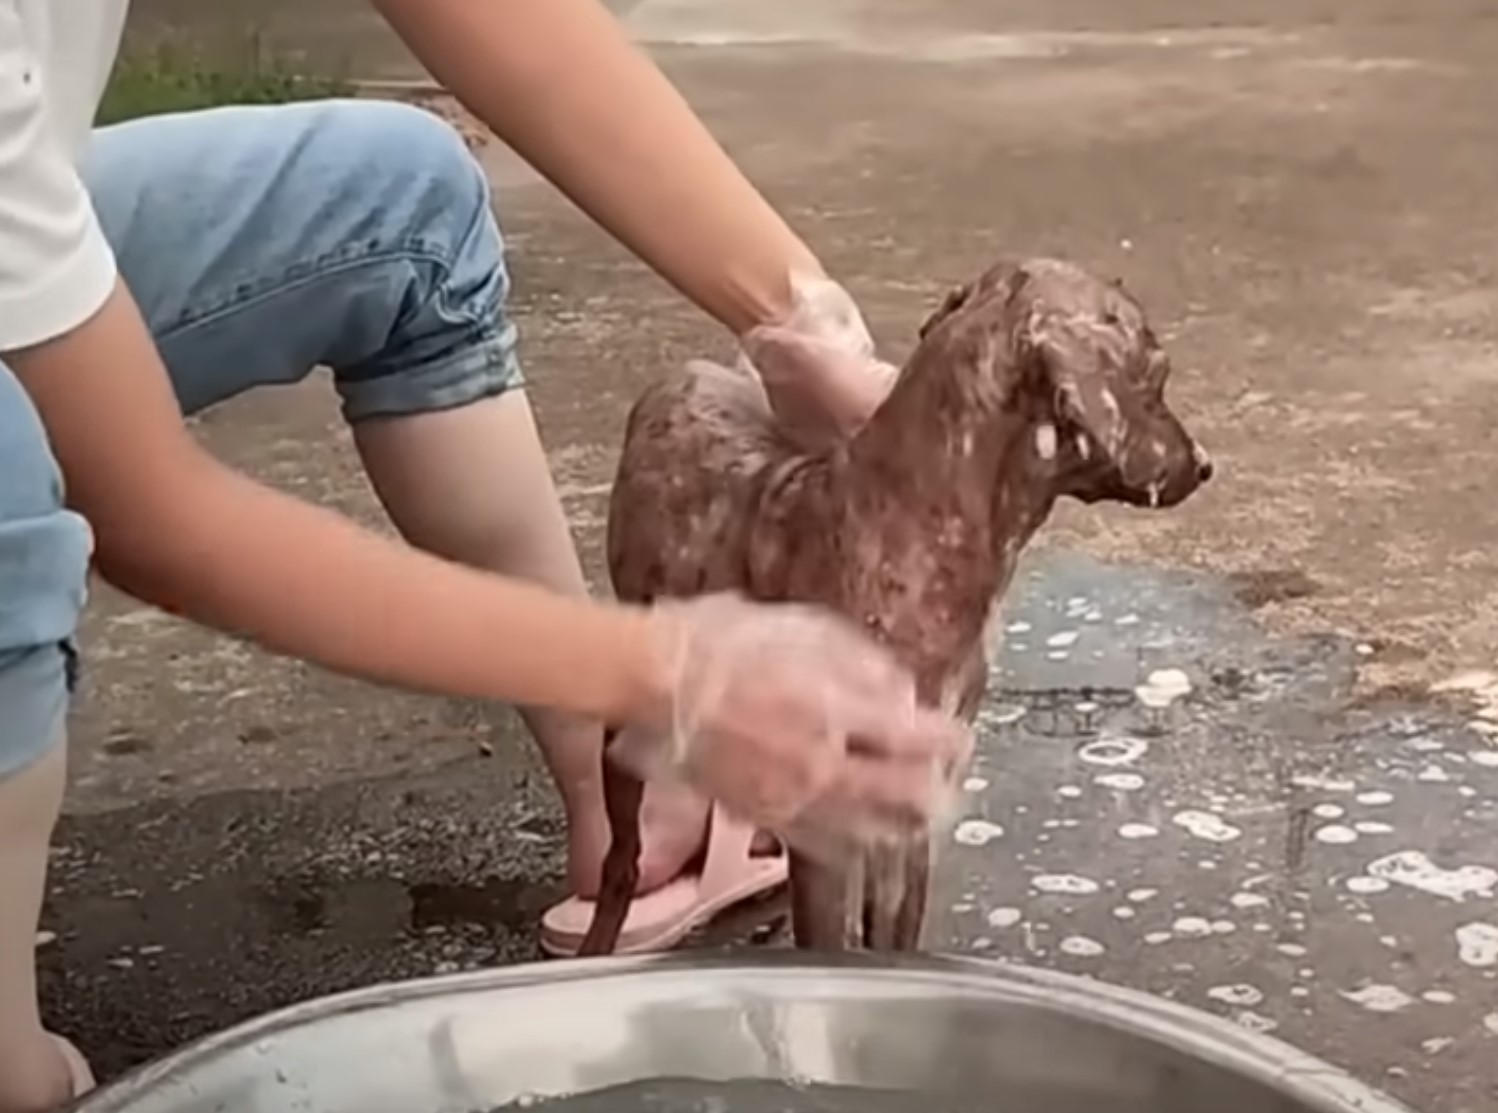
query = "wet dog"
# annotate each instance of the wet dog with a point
(1035, 381)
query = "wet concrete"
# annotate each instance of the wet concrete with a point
(1262, 845)
(1255, 842)
(1302, 193)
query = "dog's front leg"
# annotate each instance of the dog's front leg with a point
(917, 881)
(819, 905)
(883, 895)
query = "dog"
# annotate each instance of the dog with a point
(1035, 381)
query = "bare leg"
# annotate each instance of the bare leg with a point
(34, 1076)
(472, 484)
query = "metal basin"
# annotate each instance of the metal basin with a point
(952, 1033)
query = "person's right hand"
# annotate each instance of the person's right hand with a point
(796, 720)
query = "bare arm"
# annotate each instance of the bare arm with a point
(560, 82)
(180, 530)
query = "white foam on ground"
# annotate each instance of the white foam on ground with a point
(1254, 1022)
(1004, 917)
(1079, 946)
(1414, 870)
(977, 832)
(1379, 998)
(1334, 834)
(1205, 825)
(1192, 927)
(1325, 784)
(1477, 944)
(1120, 782)
(1240, 994)
(1116, 750)
(1065, 883)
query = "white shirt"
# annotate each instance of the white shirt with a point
(56, 269)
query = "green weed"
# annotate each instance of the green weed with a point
(170, 77)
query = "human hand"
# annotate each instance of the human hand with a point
(793, 719)
(818, 364)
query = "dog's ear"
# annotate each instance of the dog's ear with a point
(1005, 279)
(1080, 360)
(955, 300)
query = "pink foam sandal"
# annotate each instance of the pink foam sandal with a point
(731, 874)
(79, 1071)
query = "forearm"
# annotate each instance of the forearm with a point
(308, 583)
(178, 529)
(561, 83)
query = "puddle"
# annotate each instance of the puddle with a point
(384, 907)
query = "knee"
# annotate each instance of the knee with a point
(33, 1076)
(427, 327)
(416, 177)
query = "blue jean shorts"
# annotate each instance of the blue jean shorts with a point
(44, 554)
(260, 243)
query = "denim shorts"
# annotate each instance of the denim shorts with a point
(44, 555)
(260, 243)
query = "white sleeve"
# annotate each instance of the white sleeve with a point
(56, 269)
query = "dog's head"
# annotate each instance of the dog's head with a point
(1089, 376)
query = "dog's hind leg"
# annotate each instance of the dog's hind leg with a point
(622, 795)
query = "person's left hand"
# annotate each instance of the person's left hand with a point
(818, 365)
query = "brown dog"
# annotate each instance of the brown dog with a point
(1035, 381)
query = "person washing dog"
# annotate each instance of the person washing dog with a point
(164, 265)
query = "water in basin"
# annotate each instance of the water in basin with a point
(683, 1095)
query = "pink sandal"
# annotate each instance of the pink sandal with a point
(731, 874)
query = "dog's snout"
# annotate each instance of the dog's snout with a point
(1204, 467)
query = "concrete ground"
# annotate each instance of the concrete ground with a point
(1303, 195)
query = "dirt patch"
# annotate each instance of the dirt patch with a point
(1257, 589)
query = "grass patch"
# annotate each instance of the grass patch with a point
(174, 77)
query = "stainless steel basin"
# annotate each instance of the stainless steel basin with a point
(947, 1031)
